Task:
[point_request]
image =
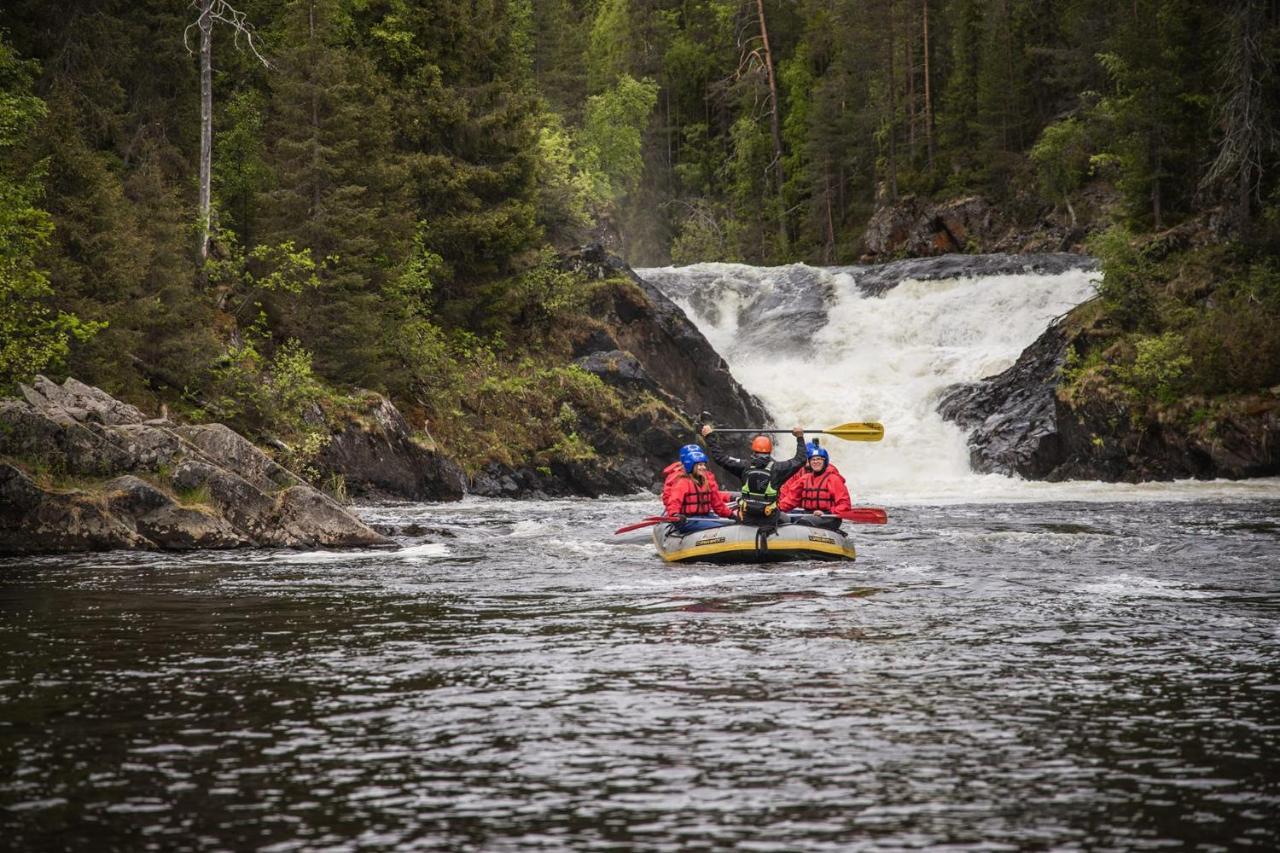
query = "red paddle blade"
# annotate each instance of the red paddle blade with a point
(866, 515)
(648, 522)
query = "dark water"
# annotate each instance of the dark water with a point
(1031, 676)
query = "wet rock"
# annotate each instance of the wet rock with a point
(379, 456)
(877, 279)
(617, 368)
(1021, 425)
(663, 341)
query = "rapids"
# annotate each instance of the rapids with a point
(1007, 666)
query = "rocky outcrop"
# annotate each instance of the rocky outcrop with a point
(1021, 424)
(378, 455)
(638, 319)
(876, 280)
(1025, 224)
(666, 373)
(1013, 416)
(921, 228)
(134, 482)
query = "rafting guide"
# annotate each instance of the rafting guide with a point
(762, 476)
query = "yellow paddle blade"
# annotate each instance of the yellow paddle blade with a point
(857, 431)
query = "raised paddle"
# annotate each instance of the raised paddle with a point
(857, 431)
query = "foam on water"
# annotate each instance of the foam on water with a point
(887, 358)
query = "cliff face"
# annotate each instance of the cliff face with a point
(639, 343)
(1022, 424)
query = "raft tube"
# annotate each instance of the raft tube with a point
(745, 543)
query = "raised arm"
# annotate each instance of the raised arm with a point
(732, 464)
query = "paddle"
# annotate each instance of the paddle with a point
(648, 522)
(855, 431)
(659, 519)
(865, 515)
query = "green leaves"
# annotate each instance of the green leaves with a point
(33, 336)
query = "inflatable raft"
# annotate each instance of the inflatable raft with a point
(744, 543)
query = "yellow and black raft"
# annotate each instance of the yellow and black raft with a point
(745, 543)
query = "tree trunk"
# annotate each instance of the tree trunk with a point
(315, 118)
(928, 98)
(893, 113)
(206, 125)
(1157, 214)
(911, 92)
(774, 121)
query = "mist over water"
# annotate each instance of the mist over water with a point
(820, 349)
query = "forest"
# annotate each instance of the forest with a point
(243, 211)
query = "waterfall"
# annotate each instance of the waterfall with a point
(822, 346)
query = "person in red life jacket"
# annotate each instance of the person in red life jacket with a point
(817, 489)
(673, 472)
(694, 491)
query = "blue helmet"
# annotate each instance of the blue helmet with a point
(812, 449)
(690, 455)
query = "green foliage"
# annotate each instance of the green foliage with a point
(1157, 372)
(610, 148)
(1061, 157)
(1126, 279)
(33, 336)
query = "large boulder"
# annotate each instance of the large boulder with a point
(378, 455)
(637, 319)
(171, 486)
(919, 228)
(1021, 423)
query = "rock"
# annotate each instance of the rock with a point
(73, 401)
(1021, 425)
(307, 518)
(81, 432)
(223, 447)
(379, 456)
(918, 228)
(182, 528)
(36, 521)
(617, 368)
(668, 347)
(132, 496)
(1012, 415)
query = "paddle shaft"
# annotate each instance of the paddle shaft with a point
(866, 431)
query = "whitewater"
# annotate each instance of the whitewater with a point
(820, 347)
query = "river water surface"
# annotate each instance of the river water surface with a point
(1071, 674)
(1008, 665)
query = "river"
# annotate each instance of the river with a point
(1006, 666)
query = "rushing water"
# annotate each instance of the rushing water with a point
(1007, 666)
(1030, 675)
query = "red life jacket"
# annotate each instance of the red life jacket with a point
(808, 491)
(698, 501)
(688, 498)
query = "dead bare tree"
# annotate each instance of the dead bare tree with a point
(223, 12)
(756, 56)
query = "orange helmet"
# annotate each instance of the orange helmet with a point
(762, 444)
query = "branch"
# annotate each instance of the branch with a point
(221, 10)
